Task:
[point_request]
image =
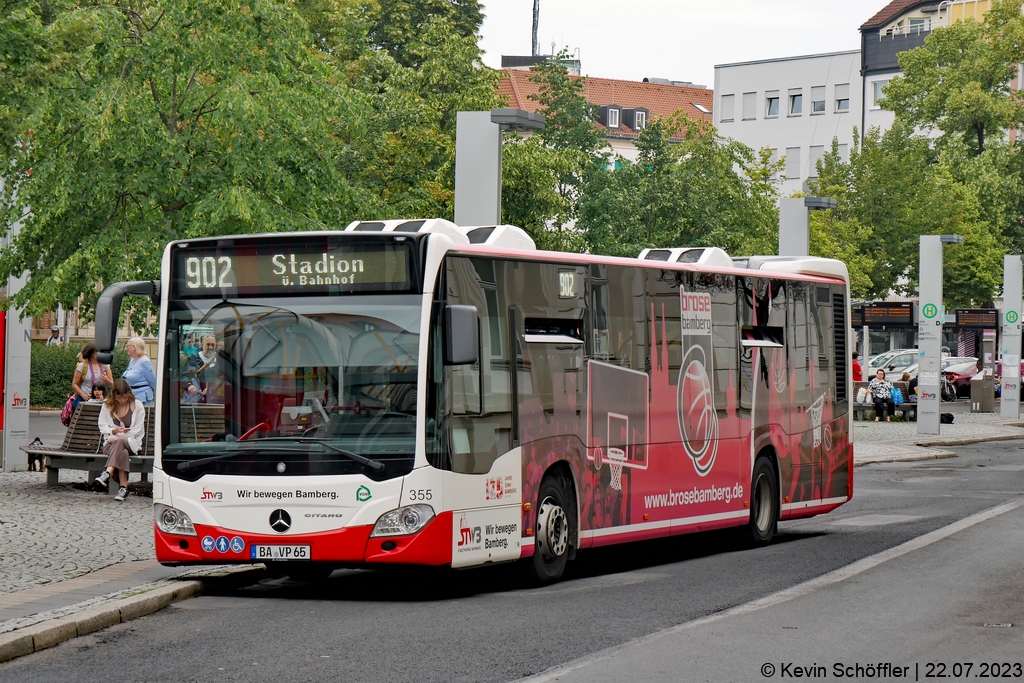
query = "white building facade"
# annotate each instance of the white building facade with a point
(796, 106)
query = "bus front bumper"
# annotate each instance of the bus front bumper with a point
(349, 546)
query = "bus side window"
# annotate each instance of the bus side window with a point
(800, 351)
(480, 394)
(724, 338)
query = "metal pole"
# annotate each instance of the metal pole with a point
(1013, 283)
(929, 335)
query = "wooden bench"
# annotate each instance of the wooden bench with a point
(83, 447)
(867, 410)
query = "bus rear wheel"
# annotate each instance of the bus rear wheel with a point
(764, 503)
(553, 533)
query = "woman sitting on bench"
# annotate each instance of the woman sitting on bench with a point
(881, 392)
(123, 425)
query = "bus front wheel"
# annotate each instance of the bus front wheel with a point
(554, 529)
(764, 503)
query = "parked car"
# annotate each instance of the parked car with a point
(894, 362)
(947, 362)
(960, 375)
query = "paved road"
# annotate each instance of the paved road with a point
(481, 625)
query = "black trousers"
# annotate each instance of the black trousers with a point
(881, 405)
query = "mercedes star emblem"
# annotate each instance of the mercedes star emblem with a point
(280, 521)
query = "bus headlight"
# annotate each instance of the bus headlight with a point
(173, 521)
(403, 521)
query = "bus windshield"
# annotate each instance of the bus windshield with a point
(292, 386)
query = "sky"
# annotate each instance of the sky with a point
(681, 40)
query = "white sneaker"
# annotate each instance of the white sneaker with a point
(103, 478)
(121, 493)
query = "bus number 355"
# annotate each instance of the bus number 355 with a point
(208, 272)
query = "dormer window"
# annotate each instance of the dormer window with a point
(610, 116)
(634, 118)
(641, 120)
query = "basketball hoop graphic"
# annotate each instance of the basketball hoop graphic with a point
(827, 441)
(618, 442)
(815, 413)
(698, 421)
(616, 456)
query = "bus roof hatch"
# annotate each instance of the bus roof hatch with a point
(704, 256)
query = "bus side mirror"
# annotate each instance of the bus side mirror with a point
(108, 310)
(461, 335)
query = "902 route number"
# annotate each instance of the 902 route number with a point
(421, 494)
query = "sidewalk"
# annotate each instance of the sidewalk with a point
(899, 441)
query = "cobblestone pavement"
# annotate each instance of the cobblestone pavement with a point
(54, 534)
(881, 441)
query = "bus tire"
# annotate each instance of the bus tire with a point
(764, 503)
(553, 534)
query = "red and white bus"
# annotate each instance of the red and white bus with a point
(412, 392)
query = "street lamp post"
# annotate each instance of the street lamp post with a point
(795, 223)
(478, 137)
(929, 331)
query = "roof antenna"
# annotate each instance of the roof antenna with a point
(536, 21)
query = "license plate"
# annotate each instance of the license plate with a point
(279, 552)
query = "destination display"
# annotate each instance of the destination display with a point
(292, 267)
(892, 314)
(977, 317)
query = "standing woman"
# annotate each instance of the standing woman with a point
(123, 425)
(89, 372)
(140, 374)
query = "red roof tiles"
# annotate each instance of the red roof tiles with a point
(889, 12)
(660, 99)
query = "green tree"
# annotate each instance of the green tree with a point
(891, 191)
(690, 192)
(170, 120)
(959, 80)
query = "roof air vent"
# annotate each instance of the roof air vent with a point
(704, 256)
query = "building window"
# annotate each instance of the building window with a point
(796, 103)
(701, 108)
(792, 163)
(817, 154)
(878, 94)
(844, 153)
(818, 99)
(771, 103)
(613, 118)
(918, 26)
(842, 97)
(641, 120)
(728, 104)
(749, 106)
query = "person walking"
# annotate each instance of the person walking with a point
(858, 373)
(88, 373)
(140, 374)
(54, 338)
(881, 391)
(123, 425)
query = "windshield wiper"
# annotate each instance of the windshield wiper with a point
(377, 465)
(189, 464)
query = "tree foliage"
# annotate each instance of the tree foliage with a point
(136, 122)
(959, 81)
(892, 190)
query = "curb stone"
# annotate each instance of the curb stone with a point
(40, 636)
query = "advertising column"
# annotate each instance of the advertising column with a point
(1009, 405)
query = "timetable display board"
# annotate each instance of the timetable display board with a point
(888, 313)
(977, 317)
(290, 266)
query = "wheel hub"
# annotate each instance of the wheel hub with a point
(552, 530)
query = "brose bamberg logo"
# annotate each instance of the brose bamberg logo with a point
(698, 421)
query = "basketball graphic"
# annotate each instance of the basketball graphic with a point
(698, 421)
